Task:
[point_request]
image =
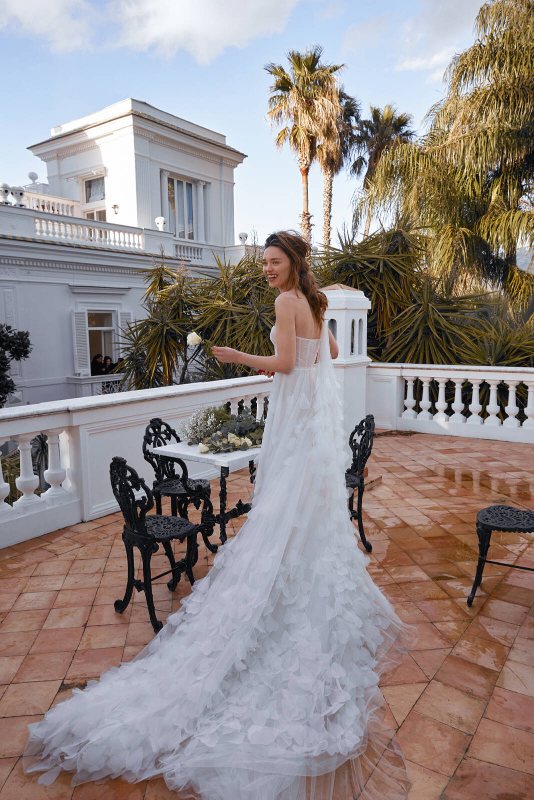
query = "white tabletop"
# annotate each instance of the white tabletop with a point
(237, 459)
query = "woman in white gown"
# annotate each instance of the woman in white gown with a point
(264, 685)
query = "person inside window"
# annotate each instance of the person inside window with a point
(109, 366)
(97, 365)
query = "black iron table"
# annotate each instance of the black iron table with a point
(498, 518)
(227, 463)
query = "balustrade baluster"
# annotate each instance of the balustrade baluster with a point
(529, 410)
(425, 401)
(493, 408)
(409, 413)
(260, 403)
(458, 405)
(511, 407)
(5, 509)
(474, 407)
(234, 402)
(55, 474)
(441, 403)
(28, 481)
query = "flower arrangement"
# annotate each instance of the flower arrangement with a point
(215, 430)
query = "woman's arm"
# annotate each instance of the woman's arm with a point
(334, 347)
(286, 343)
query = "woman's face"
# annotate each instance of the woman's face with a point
(276, 267)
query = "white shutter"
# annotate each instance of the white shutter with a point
(125, 317)
(82, 365)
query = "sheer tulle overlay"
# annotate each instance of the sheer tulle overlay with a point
(264, 685)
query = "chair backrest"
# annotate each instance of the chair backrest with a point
(361, 444)
(157, 434)
(127, 486)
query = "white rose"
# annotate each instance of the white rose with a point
(203, 448)
(193, 339)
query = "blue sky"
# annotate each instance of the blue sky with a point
(203, 60)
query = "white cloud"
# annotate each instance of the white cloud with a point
(430, 39)
(65, 24)
(204, 28)
(363, 35)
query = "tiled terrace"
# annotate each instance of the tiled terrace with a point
(463, 698)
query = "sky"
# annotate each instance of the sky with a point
(204, 60)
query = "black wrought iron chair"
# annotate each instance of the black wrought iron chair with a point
(182, 490)
(498, 518)
(361, 444)
(146, 533)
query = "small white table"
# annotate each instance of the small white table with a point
(227, 462)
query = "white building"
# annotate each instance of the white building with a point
(125, 184)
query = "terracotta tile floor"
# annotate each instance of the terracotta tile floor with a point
(462, 698)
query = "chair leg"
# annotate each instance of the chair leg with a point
(351, 505)
(146, 555)
(122, 605)
(157, 500)
(191, 557)
(174, 506)
(207, 519)
(173, 582)
(484, 539)
(368, 546)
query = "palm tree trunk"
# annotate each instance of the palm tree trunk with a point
(305, 217)
(328, 183)
(371, 166)
(367, 223)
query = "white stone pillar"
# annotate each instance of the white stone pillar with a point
(28, 481)
(493, 408)
(512, 408)
(345, 306)
(5, 509)
(55, 474)
(529, 410)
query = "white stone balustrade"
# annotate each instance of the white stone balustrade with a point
(71, 229)
(93, 385)
(189, 252)
(84, 434)
(50, 204)
(466, 415)
(87, 232)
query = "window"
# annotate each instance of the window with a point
(99, 215)
(181, 208)
(101, 333)
(95, 190)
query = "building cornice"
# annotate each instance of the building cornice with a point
(50, 146)
(184, 147)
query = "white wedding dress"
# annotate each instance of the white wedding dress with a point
(264, 685)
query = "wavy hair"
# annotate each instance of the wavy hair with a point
(301, 276)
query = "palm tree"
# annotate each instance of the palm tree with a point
(335, 146)
(469, 182)
(383, 131)
(301, 100)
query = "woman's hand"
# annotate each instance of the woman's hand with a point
(226, 355)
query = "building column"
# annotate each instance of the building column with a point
(200, 231)
(164, 174)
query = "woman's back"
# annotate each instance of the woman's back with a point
(305, 323)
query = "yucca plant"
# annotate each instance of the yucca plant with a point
(134, 364)
(235, 309)
(383, 266)
(434, 328)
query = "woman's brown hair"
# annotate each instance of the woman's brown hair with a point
(301, 277)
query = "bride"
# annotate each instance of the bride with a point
(264, 685)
